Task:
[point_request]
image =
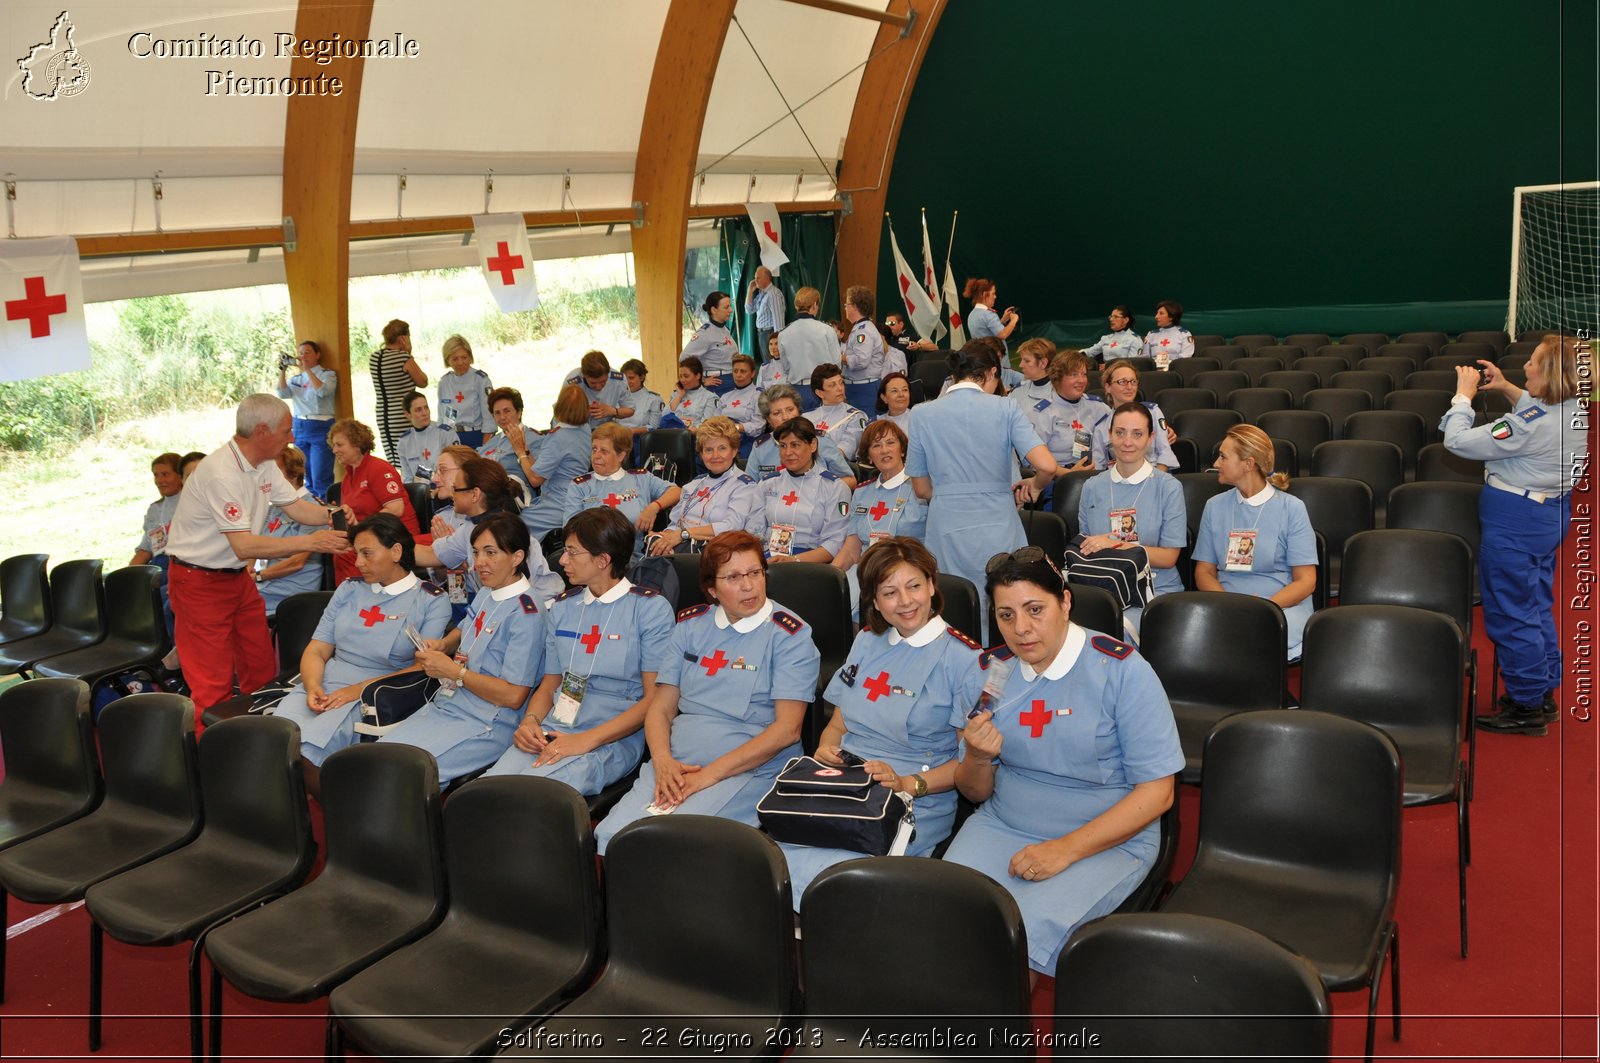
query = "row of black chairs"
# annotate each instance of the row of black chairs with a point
(71, 622)
(1496, 338)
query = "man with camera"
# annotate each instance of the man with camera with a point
(311, 393)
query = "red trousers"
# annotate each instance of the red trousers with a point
(221, 633)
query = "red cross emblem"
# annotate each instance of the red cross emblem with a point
(791, 498)
(704, 492)
(879, 511)
(477, 624)
(275, 524)
(506, 264)
(613, 501)
(905, 285)
(878, 686)
(714, 662)
(592, 639)
(1036, 718)
(371, 615)
(735, 402)
(231, 511)
(1077, 425)
(37, 307)
(822, 426)
(460, 397)
(1165, 342)
(426, 453)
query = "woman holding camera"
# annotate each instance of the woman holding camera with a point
(311, 393)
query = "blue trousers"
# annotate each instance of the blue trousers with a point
(1516, 566)
(312, 439)
(863, 397)
(470, 438)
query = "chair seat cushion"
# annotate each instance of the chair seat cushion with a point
(61, 865)
(101, 659)
(16, 656)
(28, 809)
(174, 898)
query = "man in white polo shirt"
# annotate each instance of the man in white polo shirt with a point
(216, 532)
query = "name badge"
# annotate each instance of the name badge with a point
(569, 698)
(1125, 525)
(1241, 550)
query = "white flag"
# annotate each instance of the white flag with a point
(41, 285)
(930, 279)
(923, 311)
(507, 261)
(952, 308)
(769, 232)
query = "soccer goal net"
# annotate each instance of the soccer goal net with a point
(1555, 258)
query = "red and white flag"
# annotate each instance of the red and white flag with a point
(930, 279)
(507, 261)
(41, 287)
(922, 310)
(769, 233)
(952, 309)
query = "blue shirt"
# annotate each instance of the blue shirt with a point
(628, 491)
(563, 458)
(1158, 452)
(1114, 345)
(982, 322)
(307, 401)
(1534, 447)
(805, 344)
(1279, 537)
(842, 424)
(498, 448)
(455, 550)
(695, 406)
(729, 502)
(863, 353)
(883, 508)
(1172, 342)
(614, 392)
(768, 307)
(611, 641)
(158, 522)
(273, 591)
(804, 512)
(1067, 428)
(464, 400)
(420, 448)
(764, 461)
(366, 626)
(500, 637)
(1153, 499)
(647, 409)
(743, 407)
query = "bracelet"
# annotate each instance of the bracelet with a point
(461, 680)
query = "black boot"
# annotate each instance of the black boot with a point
(1515, 719)
(1551, 713)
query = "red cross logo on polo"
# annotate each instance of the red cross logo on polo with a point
(274, 524)
(1165, 342)
(460, 397)
(477, 624)
(232, 511)
(878, 687)
(715, 662)
(735, 402)
(612, 500)
(791, 498)
(879, 511)
(822, 426)
(426, 453)
(1037, 717)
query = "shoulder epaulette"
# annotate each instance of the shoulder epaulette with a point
(788, 621)
(1532, 413)
(528, 605)
(355, 579)
(999, 653)
(1111, 647)
(637, 472)
(568, 593)
(746, 478)
(963, 638)
(644, 592)
(617, 376)
(826, 475)
(1043, 404)
(431, 589)
(572, 377)
(871, 481)
(585, 478)
(693, 611)
(481, 373)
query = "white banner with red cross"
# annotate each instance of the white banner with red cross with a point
(507, 261)
(41, 288)
(769, 234)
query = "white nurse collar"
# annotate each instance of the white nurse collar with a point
(749, 623)
(922, 636)
(1070, 649)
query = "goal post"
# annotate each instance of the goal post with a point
(1555, 258)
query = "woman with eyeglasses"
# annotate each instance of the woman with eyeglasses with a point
(1121, 382)
(805, 509)
(488, 665)
(1120, 342)
(480, 488)
(605, 640)
(724, 499)
(1072, 762)
(730, 696)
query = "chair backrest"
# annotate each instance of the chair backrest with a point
(1415, 353)
(1224, 354)
(78, 598)
(133, 607)
(24, 597)
(1517, 353)
(1285, 457)
(1307, 792)
(690, 593)
(1535, 335)
(421, 496)
(1217, 648)
(253, 789)
(1432, 380)
(1411, 567)
(1492, 404)
(380, 803)
(1308, 341)
(1189, 368)
(47, 738)
(1208, 340)
(1222, 381)
(961, 609)
(866, 922)
(298, 616)
(1435, 505)
(1499, 339)
(1142, 363)
(1304, 428)
(1198, 489)
(1324, 366)
(1454, 354)
(726, 930)
(1047, 531)
(931, 372)
(1153, 382)
(520, 856)
(1180, 986)
(820, 595)
(1295, 381)
(1338, 507)
(147, 755)
(678, 446)
(1405, 430)
(1348, 353)
(1374, 382)
(1338, 403)
(1066, 495)
(1095, 608)
(1251, 403)
(1266, 360)
(1206, 428)
(1187, 453)
(1397, 368)
(1370, 340)
(1428, 405)
(1254, 342)
(1176, 400)
(1434, 340)
(1436, 462)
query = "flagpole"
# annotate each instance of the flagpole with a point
(954, 217)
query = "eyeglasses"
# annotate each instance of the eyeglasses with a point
(567, 551)
(755, 575)
(460, 487)
(1028, 555)
(1123, 382)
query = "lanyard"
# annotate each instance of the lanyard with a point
(594, 659)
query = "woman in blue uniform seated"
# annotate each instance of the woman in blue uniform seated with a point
(780, 404)
(513, 445)
(1120, 342)
(1168, 340)
(488, 665)
(712, 346)
(421, 446)
(805, 509)
(646, 405)
(563, 457)
(638, 495)
(362, 637)
(883, 507)
(1257, 539)
(741, 404)
(481, 489)
(907, 674)
(1135, 503)
(605, 640)
(1529, 455)
(834, 418)
(1121, 382)
(1072, 766)
(690, 402)
(894, 400)
(724, 499)
(730, 696)
(278, 578)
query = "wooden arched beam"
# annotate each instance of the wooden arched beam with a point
(874, 134)
(663, 175)
(319, 150)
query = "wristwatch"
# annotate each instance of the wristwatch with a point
(921, 785)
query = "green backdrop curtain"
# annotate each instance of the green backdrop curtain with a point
(808, 240)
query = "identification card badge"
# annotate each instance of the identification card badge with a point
(450, 413)
(569, 698)
(877, 536)
(1125, 525)
(448, 687)
(1080, 443)
(779, 537)
(1241, 550)
(158, 540)
(455, 583)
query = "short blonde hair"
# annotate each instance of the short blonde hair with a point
(718, 427)
(1568, 368)
(620, 439)
(455, 343)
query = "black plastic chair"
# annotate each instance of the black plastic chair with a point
(1434, 340)
(1338, 403)
(1451, 355)
(820, 595)
(1439, 506)
(699, 921)
(1254, 341)
(677, 445)
(52, 774)
(1307, 341)
(1347, 352)
(1046, 531)
(1397, 368)
(1435, 462)
(1206, 341)
(1188, 455)
(1251, 403)
(521, 937)
(961, 609)
(1297, 382)
(1198, 487)
(1377, 463)
(381, 887)
(136, 630)
(1491, 405)
(151, 806)
(298, 616)
(1432, 380)
(1285, 457)
(1224, 354)
(930, 371)
(256, 844)
(1409, 687)
(866, 922)
(1223, 382)
(1370, 340)
(1324, 365)
(1142, 363)
(1207, 428)
(1096, 609)
(1535, 335)
(1499, 339)
(1154, 382)
(1180, 400)
(421, 496)
(1338, 507)
(1066, 495)
(1189, 368)
(1405, 430)
(1306, 429)
(1260, 364)
(24, 597)
(1428, 405)
(1157, 882)
(1516, 354)
(1300, 842)
(1216, 654)
(1415, 353)
(1167, 986)
(1286, 353)
(78, 607)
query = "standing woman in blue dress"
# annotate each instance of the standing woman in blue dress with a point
(1071, 768)
(1257, 539)
(311, 394)
(983, 321)
(960, 463)
(907, 675)
(730, 696)
(713, 345)
(563, 457)
(604, 643)
(488, 666)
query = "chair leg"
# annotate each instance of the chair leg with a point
(197, 1045)
(5, 928)
(1394, 978)
(216, 1015)
(96, 961)
(333, 1041)
(1461, 863)
(1472, 727)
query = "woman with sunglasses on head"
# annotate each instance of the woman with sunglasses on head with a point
(1121, 382)
(907, 673)
(730, 696)
(604, 643)
(1071, 763)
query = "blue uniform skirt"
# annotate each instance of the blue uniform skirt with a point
(967, 525)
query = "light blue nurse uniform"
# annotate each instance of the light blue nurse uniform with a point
(1282, 538)
(803, 512)
(628, 491)
(1155, 501)
(563, 458)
